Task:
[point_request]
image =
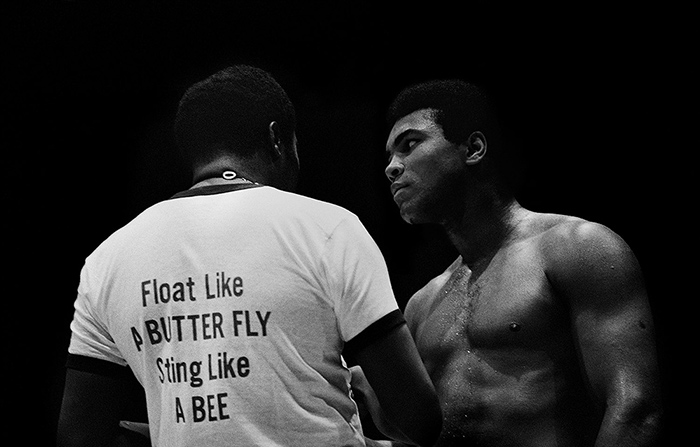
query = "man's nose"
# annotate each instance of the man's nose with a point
(393, 170)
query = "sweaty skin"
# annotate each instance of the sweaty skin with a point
(499, 344)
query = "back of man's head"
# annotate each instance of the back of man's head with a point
(229, 113)
(460, 108)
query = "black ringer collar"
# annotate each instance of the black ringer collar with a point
(214, 189)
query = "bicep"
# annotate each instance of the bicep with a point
(600, 279)
(396, 373)
(617, 346)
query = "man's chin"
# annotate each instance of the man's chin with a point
(410, 218)
(415, 216)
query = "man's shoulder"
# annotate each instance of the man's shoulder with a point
(547, 225)
(298, 203)
(560, 233)
(568, 243)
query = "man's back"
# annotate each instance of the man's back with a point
(232, 302)
(232, 307)
(500, 348)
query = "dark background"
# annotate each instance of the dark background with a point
(589, 93)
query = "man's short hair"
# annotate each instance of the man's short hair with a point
(458, 107)
(230, 112)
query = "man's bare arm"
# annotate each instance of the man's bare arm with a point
(92, 407)
(598, 275)
(395, 372)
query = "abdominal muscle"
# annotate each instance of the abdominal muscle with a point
(519, 401)
(482, 403)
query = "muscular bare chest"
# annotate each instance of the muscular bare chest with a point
(493, 342)
(499, 349)
(509, 308)
(486, 308)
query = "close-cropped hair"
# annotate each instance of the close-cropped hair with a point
(460, 108)
(230, 112)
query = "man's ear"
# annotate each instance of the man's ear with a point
(476, 147)
(275, 140)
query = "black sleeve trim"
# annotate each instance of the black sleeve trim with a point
(374, 331)
(97, 366)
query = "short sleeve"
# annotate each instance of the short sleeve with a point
(89, 334)
(357, 278)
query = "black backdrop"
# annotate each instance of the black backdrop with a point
(585, 91)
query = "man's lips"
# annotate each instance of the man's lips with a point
(395, 187)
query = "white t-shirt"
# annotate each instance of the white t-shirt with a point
(232, 306)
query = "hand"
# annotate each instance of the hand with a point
(358, 381)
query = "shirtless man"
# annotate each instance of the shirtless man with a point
(540, 332)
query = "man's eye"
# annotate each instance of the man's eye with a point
(411, 143)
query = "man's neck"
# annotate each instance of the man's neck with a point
(482, 230)
(214, 171)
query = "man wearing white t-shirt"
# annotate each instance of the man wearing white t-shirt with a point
(233, 301)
